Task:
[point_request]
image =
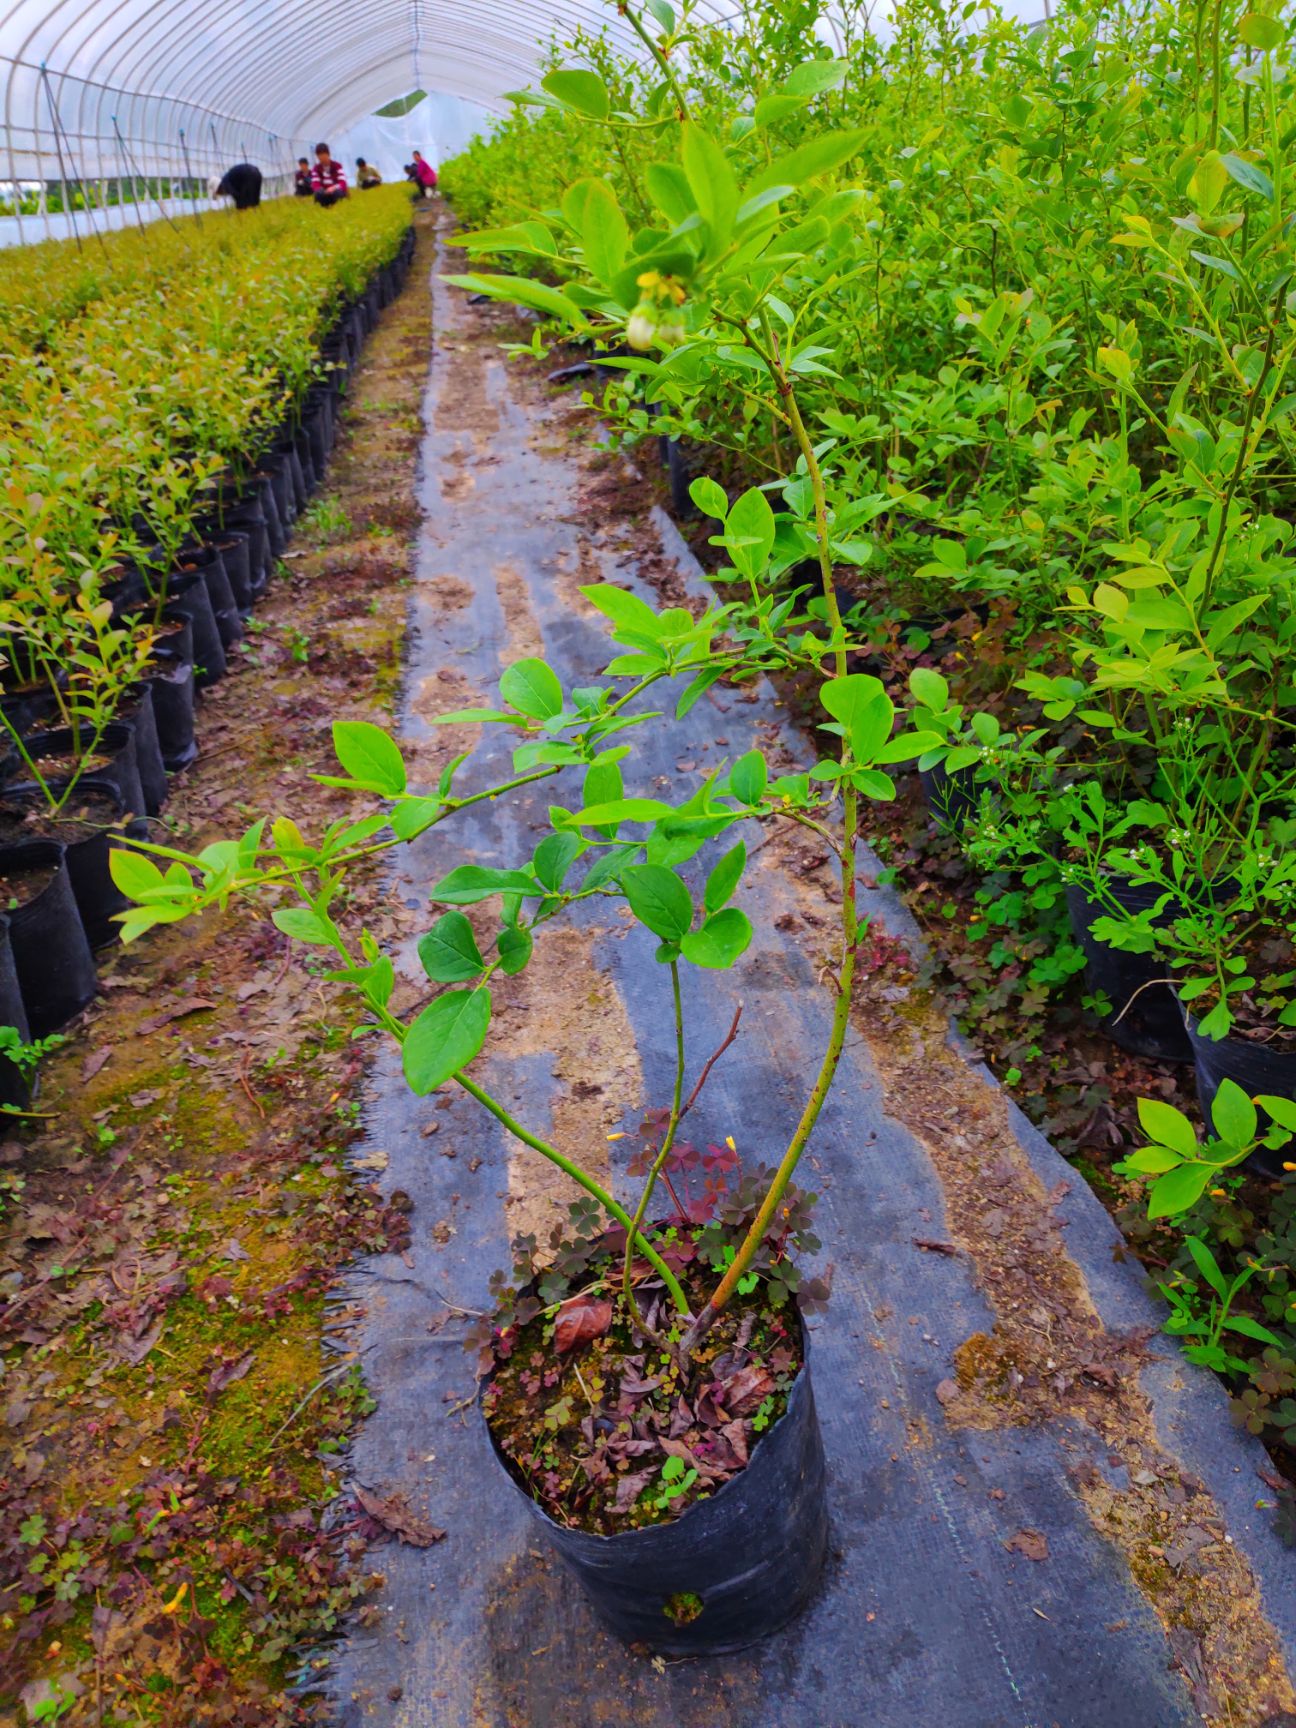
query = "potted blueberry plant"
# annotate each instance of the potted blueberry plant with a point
(647, 1378)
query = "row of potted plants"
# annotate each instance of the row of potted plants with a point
(106, 644)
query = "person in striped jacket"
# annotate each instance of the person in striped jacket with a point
(328, 180)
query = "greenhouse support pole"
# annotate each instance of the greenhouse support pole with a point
(126, 165)
(13, 172)
(193, 184)
(43, 202)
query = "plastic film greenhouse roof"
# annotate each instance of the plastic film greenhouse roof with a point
(285, 71)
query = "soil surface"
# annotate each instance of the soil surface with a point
(176, 1381)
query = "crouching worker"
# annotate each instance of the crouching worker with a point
(424, 175)
(302, 178)
(367, 176)
(242, 183)
(328, 181)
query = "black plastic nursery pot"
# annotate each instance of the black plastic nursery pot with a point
(953, 799)
(187, 597)
(138, 711)
(751, 1554)
(171, 681)
(94, 822)
(118, 769)
(1255, 1068)
(275, 466)
(207, 561)
(15, 1087)
(235, 548)
(248, 519)
(265, 487)
(285, 450)
(51, 953)
(1146, 1018)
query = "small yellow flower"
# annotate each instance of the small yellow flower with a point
(1218, 1194)
(729, 1142)
(649, 279)
(173, 1606)
(1288, 1165)
(616, 1136)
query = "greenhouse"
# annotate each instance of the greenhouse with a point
(648, 848)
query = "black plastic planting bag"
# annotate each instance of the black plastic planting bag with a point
(121, 771)
(1255, 1068)
(732, 1568)
(139, 713)
(15, 1087)
(55, 967)
(187, 594)
(1145, 1017)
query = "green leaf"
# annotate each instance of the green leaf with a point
(725, 877)
(873, 783)
(554, 857)
(658, 899)
(449, 953)
(818, 156)
(445, 1038)
(522, 291)
(1233, 1115)
(668, 188)
(1260, 31)
(1205, 1263)
(410, 818)
(1177, 1190)
(369, 756)
(748, 778)
(623, 810)
(1250, 1328)
(591, 207)
(532, 689)
(133, 874)
(864, 709)
(663, 13)
(303, 925)
(812, 77)
(721, 940)
(1283, 1110)
(749, 532)
(711, 181)
(585, 92)
(515, 947)
(1247, 174)
(710, 497)
(626, 611)
(1167, 1126)
(930, 688)
(468, 883)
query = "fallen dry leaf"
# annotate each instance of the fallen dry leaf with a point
(93, 1063)
(579, 1319)
(1033, 1544)
(176, 1011)
(392, 1512)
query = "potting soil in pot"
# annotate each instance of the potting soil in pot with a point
(600, 1426)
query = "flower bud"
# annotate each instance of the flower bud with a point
(642, 326)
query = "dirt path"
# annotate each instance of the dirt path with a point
(1040, 1520)
(170, 1244)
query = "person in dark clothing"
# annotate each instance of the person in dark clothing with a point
(328, 180)
(302, 178)
(242, 183)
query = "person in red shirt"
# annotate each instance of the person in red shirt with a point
(328, 181)
(425, 175)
